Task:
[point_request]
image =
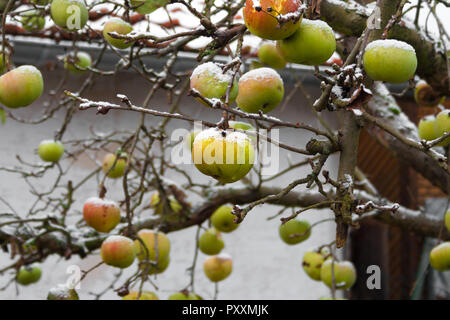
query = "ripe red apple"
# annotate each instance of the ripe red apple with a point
(115, 169)
(145, 295)
(223, 220)
(69, 14)
(260, 89)
(295, 231)
(390, 60)
(21, 86)
(217, 268)
(312, 44)
(29, 274)
(271, 56)
(81, 59)
(425, 95)
(153, 244)
(62, 293)
(211, 242)
(344, 274)
(33, 20)
(225, 155)
(121, 27)
(118, 251)
(440, 256)
(50, 150)
(263, 23)
(101, 214)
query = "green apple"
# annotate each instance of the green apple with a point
(344, 274)
(33, 20)
(427, 128)
(121, 27)
(223, 220)
(260, 89)
(69, 14)
(447, 220)
(101, 214)
(148, 6)
(295, 231)
(270, 55)
(225, 155)
(443, 125)
(118, 251)
(440, 256)
(211, 242)
(148, 248)
(115, 169)
(50, 150)
(145, 295)
(312, 44)
(29, 274)
(390, 60)
(312, 264)
(62, 293)
(21, 86)
(218, 268)
(184, 295)
(80, 59)
(425, 95)
(211, 82)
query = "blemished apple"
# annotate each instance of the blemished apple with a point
(269, 54)
(211, 242)
(225, 155)
(81, 59)
(32, 20)
(69, 14)
(62, 292)
(427, 128)
(50, 150)
(118, 251)
(218, 268)
(440, 256)
(442, 124)
(148, 248)
(184, 295)
(447, 220)
(223, 220)
(29, 274)
(211, 82)
(148, 6)
(390, 60)
(114, 169)
(312, 44)
(260, 89)
(425, 95)
(157, 205)
(20, 87)
(295, 231)
(121, 27)
(101, 214)
(344, 274)
(264, 24)
(145, 295)
(312, 263)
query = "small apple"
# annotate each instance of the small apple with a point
(223, 220)
(32, 20)
(427, 128)
(154, 244)
(211, 82)
(442, 125)
(69, 14)
(225, 155)
(145, 295)
(217, 268)
(211, 242)
(121, 27)
(312, 263)
(344, 274)
(440, 256)
(115, 169)
(260, 89)
(50, 150)
(21, 86)
(425, 95)
(118, 251)
(184, 295)
(271, 56)
(263, 23)
(157, 205)
(447, 220)
(101, 214)
(312, 44)
(148, 6)
(295, 231)
(156, 268)
(62, 292)
(81, 59)
(29, 274)
(390, 60)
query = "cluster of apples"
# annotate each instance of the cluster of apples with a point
(319, 265)
(440, 255)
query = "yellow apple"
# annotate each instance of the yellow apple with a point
(312, 263)
(223, 220)
(218, 268)
(145, 295)
(344, 274)
(443, 125)
(427, 128)
(154, 244)
(440, 256)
